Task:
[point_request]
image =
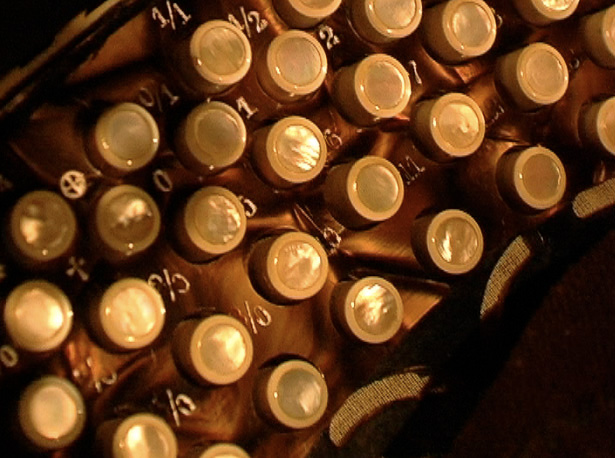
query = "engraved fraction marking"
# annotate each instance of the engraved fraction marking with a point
(326, 34)
(415, 72)
(410, 170)
(158, 97)
(172, 11)
(162, 180)
(109, 380)
(180, 405)
(248, 19)
(8, 357)
(73, 184)
(332, 139)
(254, 317)
(243, 106)
(175, 283)
(249, 206)
(76, 266)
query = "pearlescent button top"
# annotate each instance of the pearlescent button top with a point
(377, 87)
(451, 241)
(213, 136)
(216, 350)
(534, 76)
(38, 316)
(291, 152)
(126, 137)
(127, 220)
(295, 65)
(458, 30)
(143, 435)
(131, 314)
(214, 220)
(366, 191)
(598, 32)
(535, 178)
(295, 394)
(598, 126)
(450, 126)
(290, 267)
(224, 450)
(543, 12)
(303, 14)
(381, 21)
(221, 53)
(43, 227)
(51, 413)
(370, 309)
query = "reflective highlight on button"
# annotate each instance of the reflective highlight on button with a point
(212, 137)
(51, 413)
(370, 309)
(378, 87)
(129, 315)
(303, 14)
(534, 76)
(459, 30)
(294, 66)
(212, 223)
(293, 394)
(533, 178)
(290, 267)
(598, 126)
(126, 138)
(382, 21)
(290, 152)
(137, 436)
(450, 242)
(221, 54)
(38, 316)
(126, 222)
(598, 33)
(451, 126)
(367, 191)
(543, 12)
(43, 228)
(217, 350)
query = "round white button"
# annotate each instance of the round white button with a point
(127, 220)
(381, 21)
(598, 32)
(295, 394)
(213, 136)
(224, 450)
(450, 126)
(451, 241)
(126, 137)
(291, 152)
(460, 30)
(131, 314)
(543, 12)
(215, 222)
(43, 227)
(598, 126)
(38, 316)
(144, 435)
(295, 65)
(534, 76)
(534, 178)
(377, 87)
(366, 191)
(51, 413)
(217, 350)
(370, 309)
(290, 267)
(221, 53)
(303, 14)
